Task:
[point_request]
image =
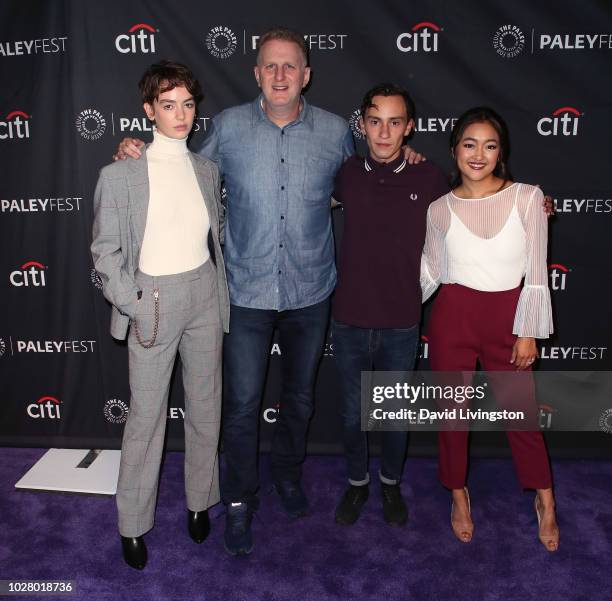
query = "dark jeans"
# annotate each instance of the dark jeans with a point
(362, 349)
(245, 359)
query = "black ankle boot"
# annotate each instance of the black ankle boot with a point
(198, 524)
(134, 551)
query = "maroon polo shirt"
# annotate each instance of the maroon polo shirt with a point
(385, 210)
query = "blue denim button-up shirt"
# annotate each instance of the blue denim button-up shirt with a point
(279, 251)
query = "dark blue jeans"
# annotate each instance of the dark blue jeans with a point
(246, 354)
(362, 349)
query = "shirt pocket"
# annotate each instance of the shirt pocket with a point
(319, 177)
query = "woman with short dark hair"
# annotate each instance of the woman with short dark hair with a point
(156, 247)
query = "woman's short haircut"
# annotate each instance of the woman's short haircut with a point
(167, 75)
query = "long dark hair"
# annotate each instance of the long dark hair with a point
(482, 114)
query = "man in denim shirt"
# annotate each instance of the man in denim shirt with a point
(278, 156)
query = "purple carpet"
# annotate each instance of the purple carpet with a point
(57, 536)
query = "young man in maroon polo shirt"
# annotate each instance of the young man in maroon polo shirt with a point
(377, 303)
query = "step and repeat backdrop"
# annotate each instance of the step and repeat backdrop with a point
(69, 73)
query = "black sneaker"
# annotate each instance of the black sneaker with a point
(394, 507)
(352, 502)
(292, 497)
(237, 538)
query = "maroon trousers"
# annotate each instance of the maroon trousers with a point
(468, 325)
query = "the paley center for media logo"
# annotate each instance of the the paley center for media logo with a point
(116, 411)
(90, 123)
(509, 41)
(221, 42)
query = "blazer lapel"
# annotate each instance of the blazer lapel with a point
(138, 185)
(204, 177)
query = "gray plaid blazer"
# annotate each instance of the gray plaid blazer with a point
(120, 215)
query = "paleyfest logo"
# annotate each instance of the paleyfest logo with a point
(423, 37)
(509, 41)
(558, 276)
(91, 124)
(139, 38)
(563, 122)
(31, 273)
(15, 125)
(46, 407)
(221, 42)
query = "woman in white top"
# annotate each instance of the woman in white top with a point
(483, 238)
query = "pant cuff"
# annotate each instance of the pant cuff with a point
(388, 481)
(363, 482)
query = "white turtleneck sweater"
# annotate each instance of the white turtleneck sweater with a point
(175, 238)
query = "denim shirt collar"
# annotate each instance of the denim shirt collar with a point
(305, 115)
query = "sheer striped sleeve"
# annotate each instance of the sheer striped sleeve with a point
(533, 316)
(433, 263)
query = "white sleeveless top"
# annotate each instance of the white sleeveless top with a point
(491, 244)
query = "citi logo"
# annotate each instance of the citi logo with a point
(424, 348)
(46, 407)
(15, 125)
(558, 276)
(564, 122)
(423, 37)
(31, 273)
(271, 413)
(545, 413)
(139, 38)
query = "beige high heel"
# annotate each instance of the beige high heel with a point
(463, 534)
(550, 542)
